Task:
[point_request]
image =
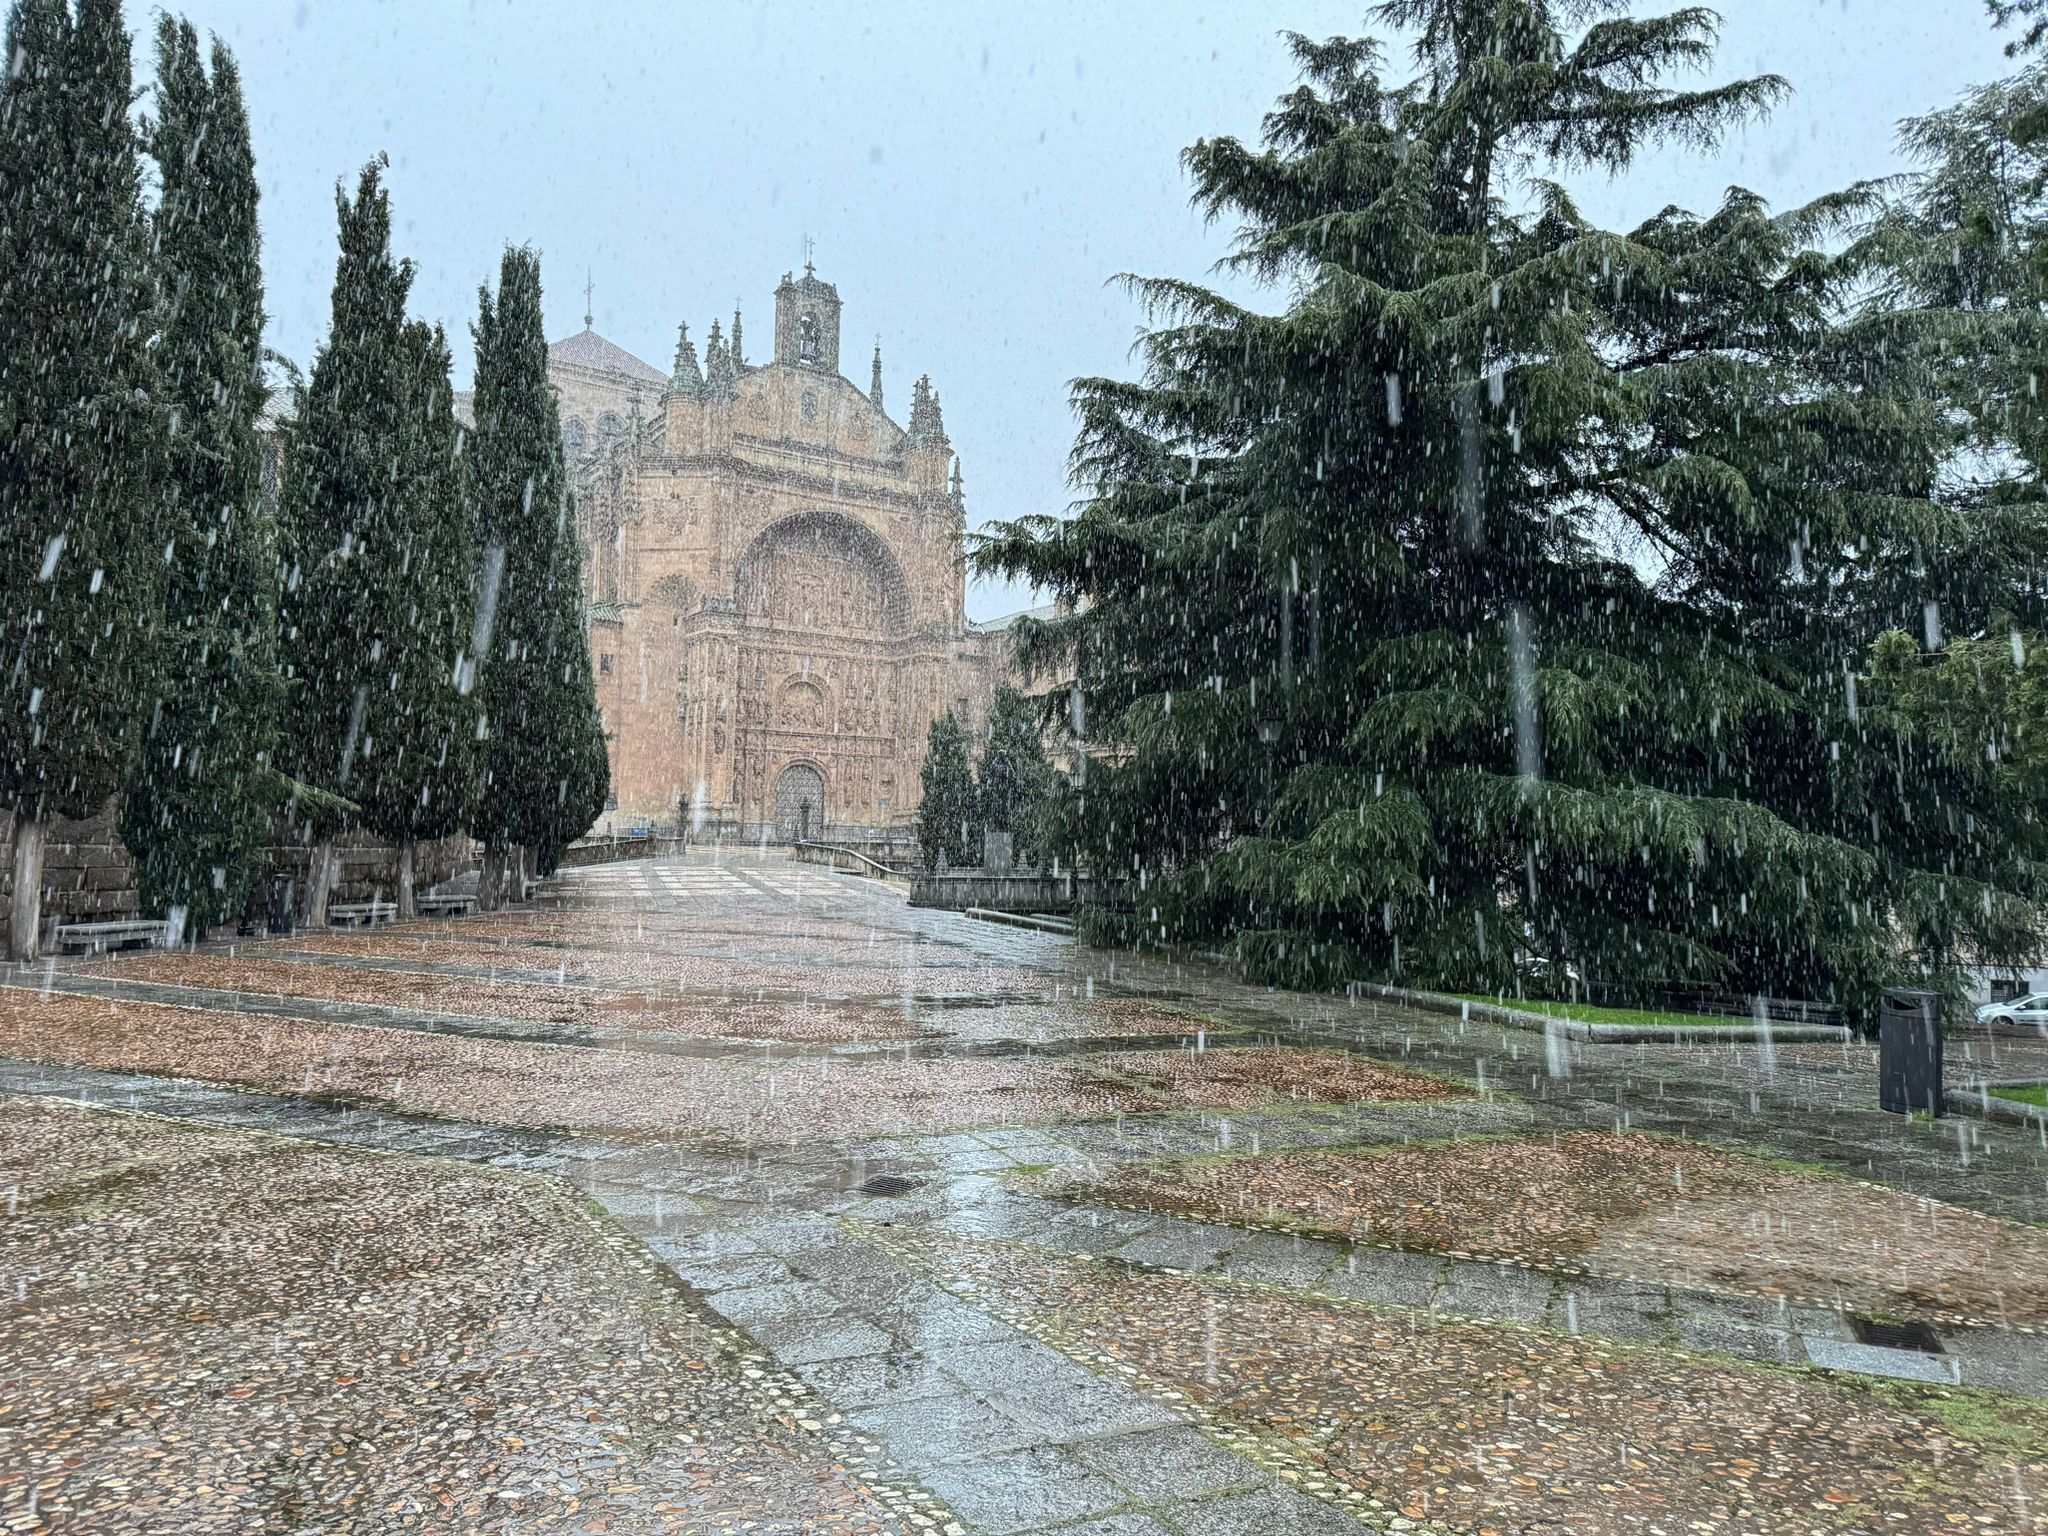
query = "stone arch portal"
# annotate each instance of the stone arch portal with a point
(820, 571)
(799, 803)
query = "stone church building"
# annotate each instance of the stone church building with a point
(775, 577)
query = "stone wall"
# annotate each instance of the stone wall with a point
(369, 868)
(957, 891)
(88, 875)
(609, 850)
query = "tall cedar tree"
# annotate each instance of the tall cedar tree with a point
(81, 556)
(1958, 257)
(1421, 712)
(948, 823)
(543, 740)
(416, 572)
(198, 810)
(336, 517)
(1964, 267)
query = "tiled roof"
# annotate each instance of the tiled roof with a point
(996, 626)
(587, 349)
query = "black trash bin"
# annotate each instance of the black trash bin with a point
(279, 915)
(1909, 1051)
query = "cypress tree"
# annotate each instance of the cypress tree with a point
(1015, 785)
(948, 830)
(199, 807)
(336, 511)
(81, 554)
(542, 782)
(584, 761)
(416, 573)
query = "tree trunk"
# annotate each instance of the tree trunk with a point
(405, 880)
(25, 917)
(490, 877)
(319, 883)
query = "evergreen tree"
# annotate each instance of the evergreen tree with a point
(948, 830)
(81, 555)
(1421, 712)
(1962, 297)
(1015, 783)
(416, 747)
(335, 512)
(2034, 16)
(582, 758)
(542, 783)
(198, 810)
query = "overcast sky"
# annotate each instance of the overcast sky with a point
(970, 174)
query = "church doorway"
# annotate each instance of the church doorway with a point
(799, 803)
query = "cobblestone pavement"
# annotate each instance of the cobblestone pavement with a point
(620, 1090)
(1628, 1205)
(895, 1152)
(1494, 1431)
(209, 1330)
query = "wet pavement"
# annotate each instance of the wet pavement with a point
(1085, 1243)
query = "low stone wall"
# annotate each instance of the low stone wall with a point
(957, 890)
(894, 853)
(1612, 1034)
(1977, 1099)
(850, 861)
(88, 875)
(369, 867)
(609, 850)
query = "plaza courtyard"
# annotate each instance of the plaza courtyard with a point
(727, 1193)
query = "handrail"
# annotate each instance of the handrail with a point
(880, 868)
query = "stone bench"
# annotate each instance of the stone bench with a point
(352, 914)
(449, 905)
(96, 938)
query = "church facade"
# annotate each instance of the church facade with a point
(775, 578)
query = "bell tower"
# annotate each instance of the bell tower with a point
(807, 322)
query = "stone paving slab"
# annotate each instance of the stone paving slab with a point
(1869, 1360)
(1260, 1512)
(1274, 1257)
(1023, 1490)
(1174, 1463)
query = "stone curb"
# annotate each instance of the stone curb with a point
(1607, 1034)
(1060, 926)
(1980, 1102)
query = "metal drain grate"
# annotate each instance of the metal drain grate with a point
(887, 1184)
(1913, 1336)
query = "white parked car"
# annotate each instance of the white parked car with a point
(2030, 1008)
